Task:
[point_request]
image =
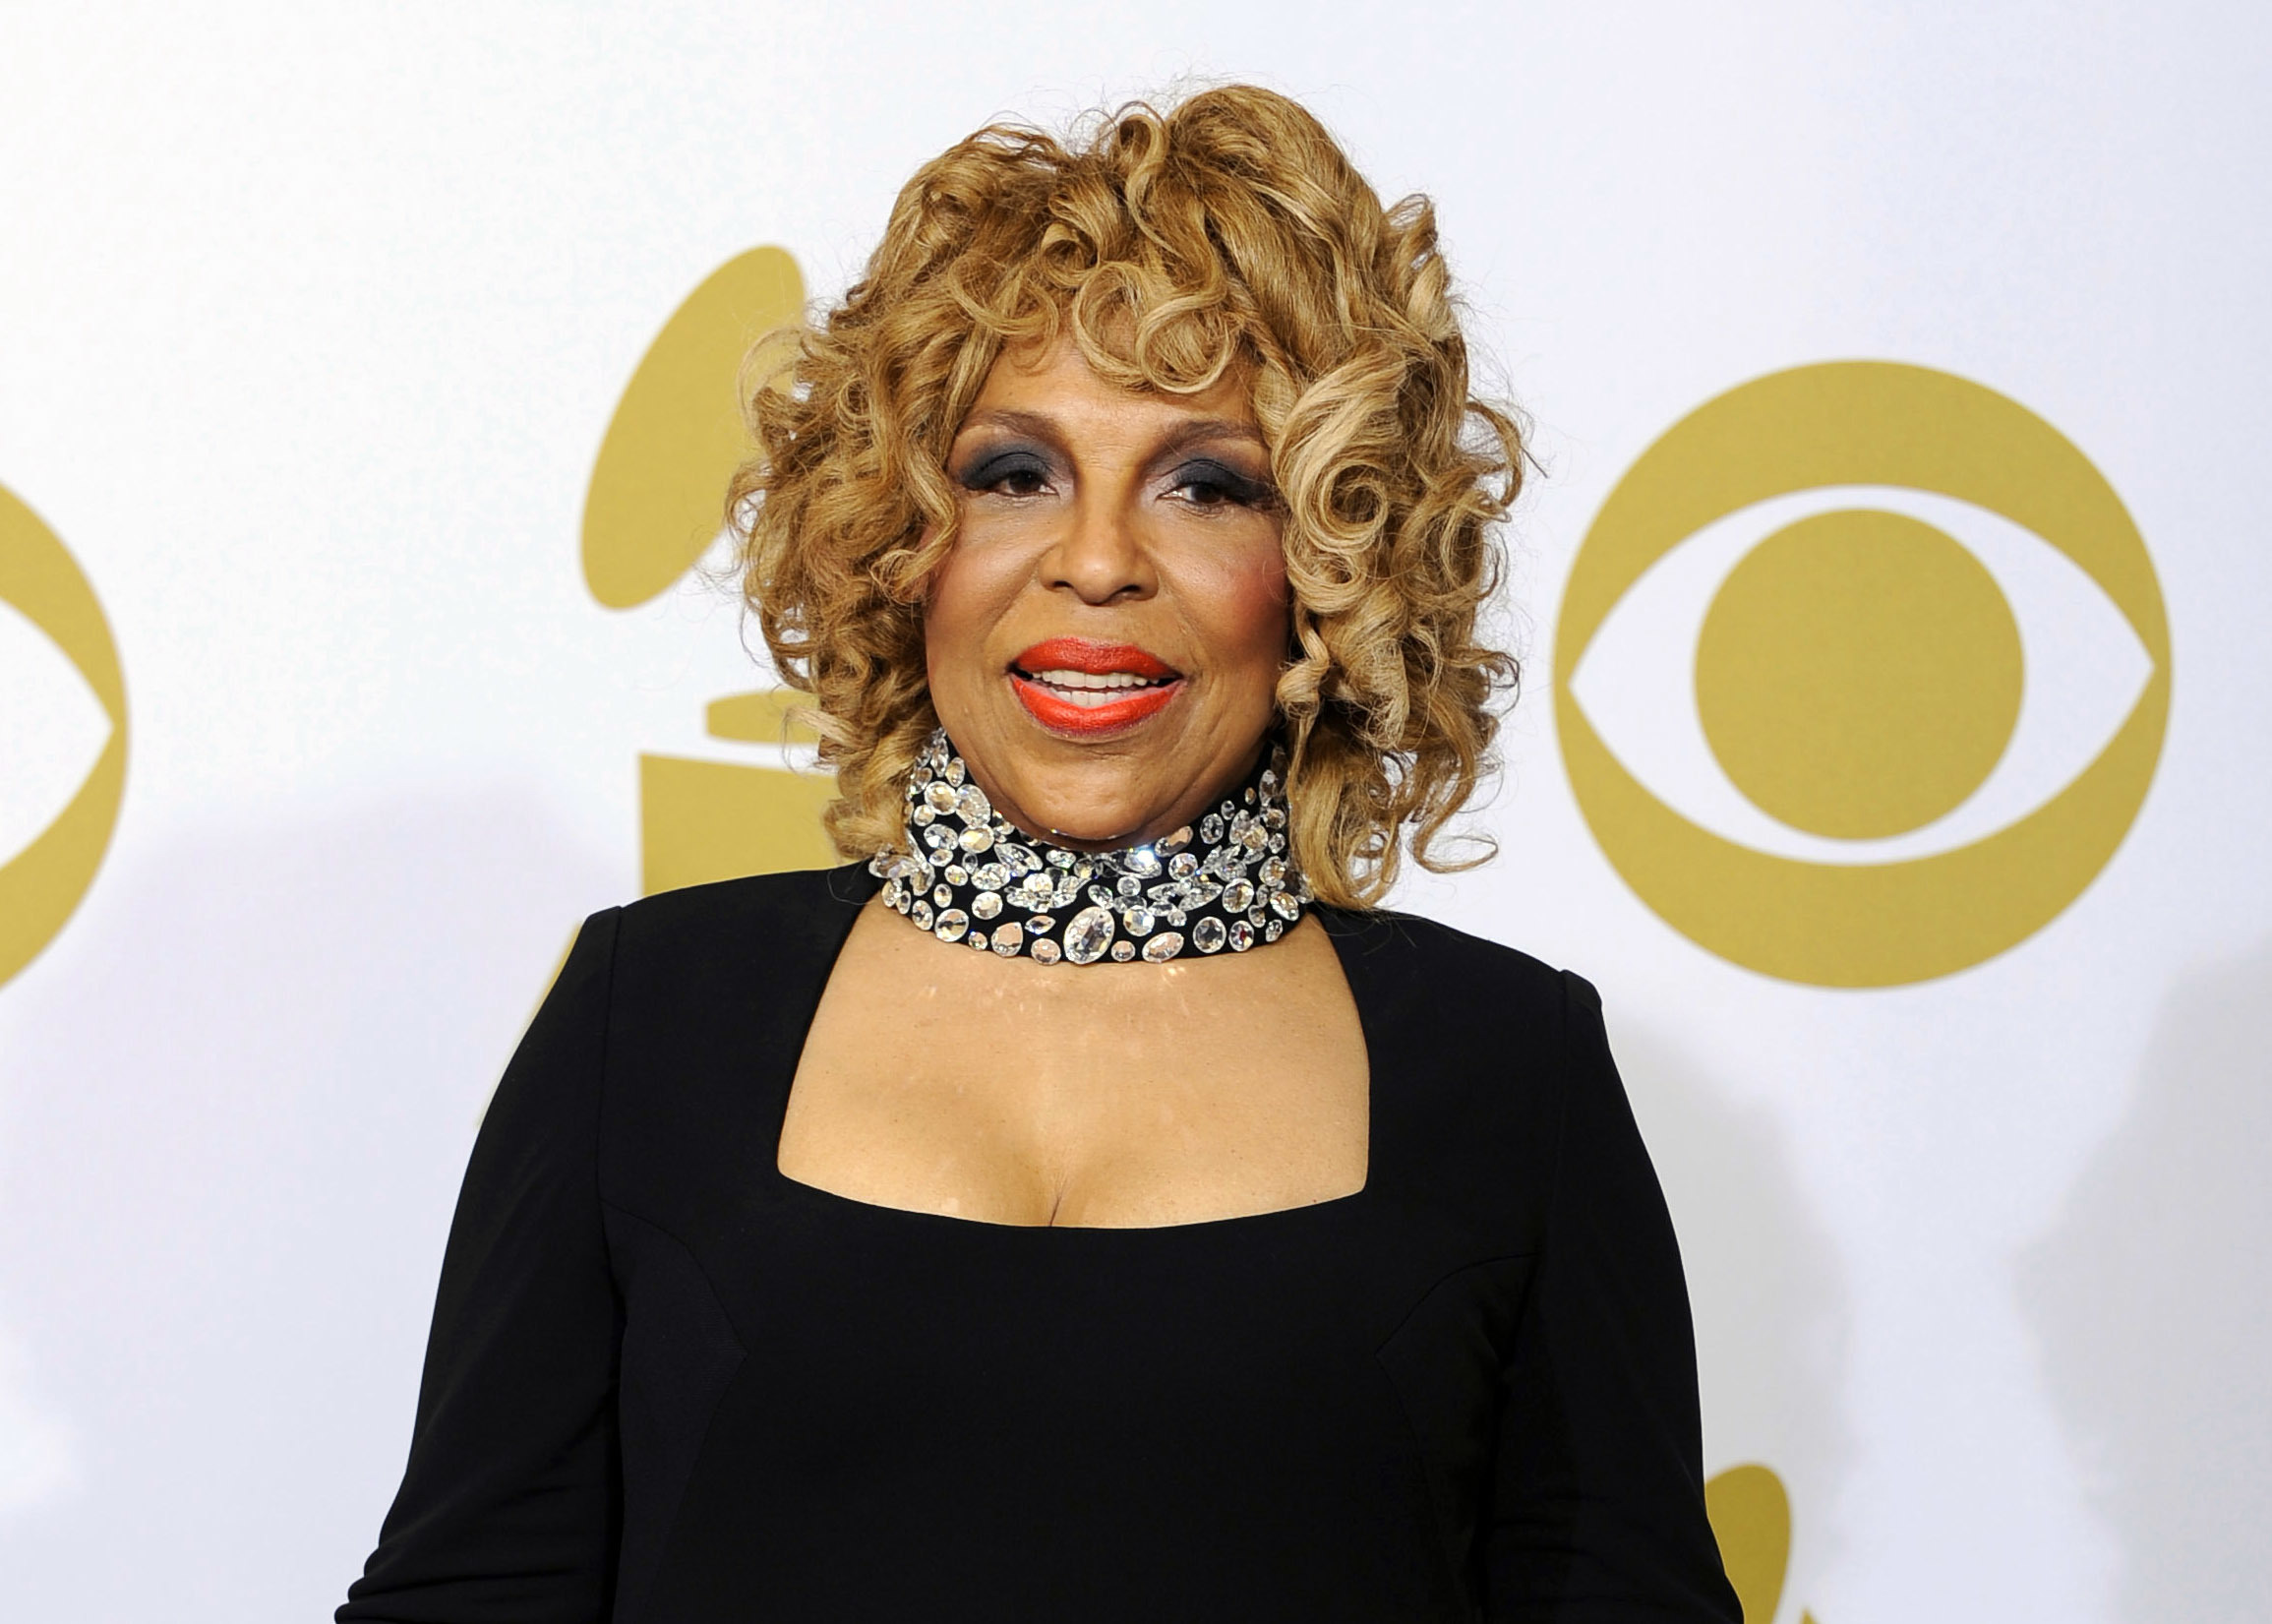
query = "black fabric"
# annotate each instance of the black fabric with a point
(667, 1384)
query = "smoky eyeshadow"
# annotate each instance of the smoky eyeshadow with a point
(1238, 487)
(989, 466)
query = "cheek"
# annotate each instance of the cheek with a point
(1249, 614)
(960, 609)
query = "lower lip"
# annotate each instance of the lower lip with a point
(1061, 715)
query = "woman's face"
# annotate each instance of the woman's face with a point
(1105, 638)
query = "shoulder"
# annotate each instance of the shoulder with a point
(763, 913)
(737, 907)
(709, 991)
(1479, 1050)
(717, 940)
(1422, 962)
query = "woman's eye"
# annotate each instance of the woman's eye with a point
(1016, 474)
(1211, 485)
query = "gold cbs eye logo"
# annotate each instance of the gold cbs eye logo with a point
(1858, 674)
(41, 885)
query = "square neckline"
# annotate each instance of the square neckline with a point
(833, 940)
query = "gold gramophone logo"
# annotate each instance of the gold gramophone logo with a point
(653, 510)
(42, 883)
(1858, 674)
(1751, 1517)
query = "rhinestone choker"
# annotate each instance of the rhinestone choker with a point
(969, 876)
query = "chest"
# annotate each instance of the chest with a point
(1120, 1096)
(1289, 1414)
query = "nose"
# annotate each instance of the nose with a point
(1101, 555)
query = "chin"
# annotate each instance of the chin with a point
(1088, 820)
(1089, 796)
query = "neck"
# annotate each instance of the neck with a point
(1226, 881)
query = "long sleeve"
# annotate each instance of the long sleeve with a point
(509, 1507)
(1597, 1512)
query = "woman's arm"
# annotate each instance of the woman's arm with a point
(1598, 1511)
(509, 1507)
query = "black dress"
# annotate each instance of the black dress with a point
(667, 1383)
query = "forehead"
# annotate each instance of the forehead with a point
(1054, 383)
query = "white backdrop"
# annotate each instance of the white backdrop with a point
(311, 323)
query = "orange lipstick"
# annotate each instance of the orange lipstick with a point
(1082, 688)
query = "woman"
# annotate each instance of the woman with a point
(1092, 1206)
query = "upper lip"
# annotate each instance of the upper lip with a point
(1096, 659)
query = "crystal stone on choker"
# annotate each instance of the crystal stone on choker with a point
(1223, 884)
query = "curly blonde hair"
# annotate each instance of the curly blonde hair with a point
(1227, 236)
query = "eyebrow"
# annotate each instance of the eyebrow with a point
(1189, 433)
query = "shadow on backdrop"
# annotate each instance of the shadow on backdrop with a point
(1771, 1314)
(2152, 1311)
(236, 1114)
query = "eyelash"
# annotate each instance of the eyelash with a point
(987, 474)
(1237, 490)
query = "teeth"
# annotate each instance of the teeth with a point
(1093, 689)
(1089, 698)
(1092, 679)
